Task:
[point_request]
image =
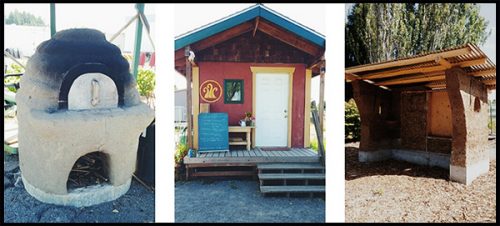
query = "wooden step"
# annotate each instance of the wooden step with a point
(280, 189)
(292, 176)
(277, 166)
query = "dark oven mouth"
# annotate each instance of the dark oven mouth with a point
(89, 170)
(75, 72)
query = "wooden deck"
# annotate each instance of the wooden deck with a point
(252, 157)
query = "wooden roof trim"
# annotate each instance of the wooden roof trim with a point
(289, 38)
(412, 79)
(444, 64)
(409, 61)
(222, 36)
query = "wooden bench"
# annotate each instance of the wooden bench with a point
(239, 141)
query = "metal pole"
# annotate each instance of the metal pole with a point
(52, 19)
(138, 39)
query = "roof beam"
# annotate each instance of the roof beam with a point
(412, 79)
(481, 73)
(414, 60)
(256, 25)
(443, 62)
(351, 76)
(393, 73)
(289, 38)
(471, 63)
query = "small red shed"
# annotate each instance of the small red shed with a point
(257, 61)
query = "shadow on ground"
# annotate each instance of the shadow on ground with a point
(356, 169)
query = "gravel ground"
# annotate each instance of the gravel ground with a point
(137, 205)
(240, 201)
(393, 191)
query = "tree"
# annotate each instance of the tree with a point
(386, 31)
(23, 18)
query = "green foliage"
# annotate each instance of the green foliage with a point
(386, 31)
(314, 144)
(13, 69)
(24, 18)
(352, 121)
(180, 151)
(146, 82)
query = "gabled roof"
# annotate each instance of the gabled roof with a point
(427, 69)
(245, 15)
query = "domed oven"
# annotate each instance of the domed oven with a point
(77, 98)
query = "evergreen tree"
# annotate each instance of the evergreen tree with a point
(386, 31)
(23, 18)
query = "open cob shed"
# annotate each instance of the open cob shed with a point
(429, 109)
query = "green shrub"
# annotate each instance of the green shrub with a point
(180, 151)
(146, 83)
(13, 69)
(352, 121)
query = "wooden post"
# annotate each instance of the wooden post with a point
(189, 100)
(321, 107)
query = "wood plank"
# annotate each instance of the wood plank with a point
(263, 153)
(251, 152)
(237, 143)
(481, 73)
(293, 176)
(412, 79)
(222, 173)
(269, 159)
(256, 25)
(223, 36)
(321, 105)
(443, 62)
(409, 61)
(290, 166)
(204, 165)
(398, 72)
(474, 62)
(279, 189)
(301, 152)
(289, 38)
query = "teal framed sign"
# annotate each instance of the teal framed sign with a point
(233, 91)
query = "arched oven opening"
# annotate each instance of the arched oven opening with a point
(89, 170)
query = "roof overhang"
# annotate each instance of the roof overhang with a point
(257, 17)
(427, 69)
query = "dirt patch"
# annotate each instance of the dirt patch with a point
(394, 191)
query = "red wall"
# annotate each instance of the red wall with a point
(219, 71)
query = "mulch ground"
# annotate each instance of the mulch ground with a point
(395, 191)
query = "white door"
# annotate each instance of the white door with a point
(271, 113)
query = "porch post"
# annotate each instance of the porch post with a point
(469, 104)
(196, 103)
(307, 109)
(321, 106)
(189, 98)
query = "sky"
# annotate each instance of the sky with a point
(95, 16)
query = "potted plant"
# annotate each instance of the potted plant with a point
(248, 118)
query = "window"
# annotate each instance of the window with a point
(233, 91)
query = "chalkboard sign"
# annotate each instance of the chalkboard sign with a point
(213, 132)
